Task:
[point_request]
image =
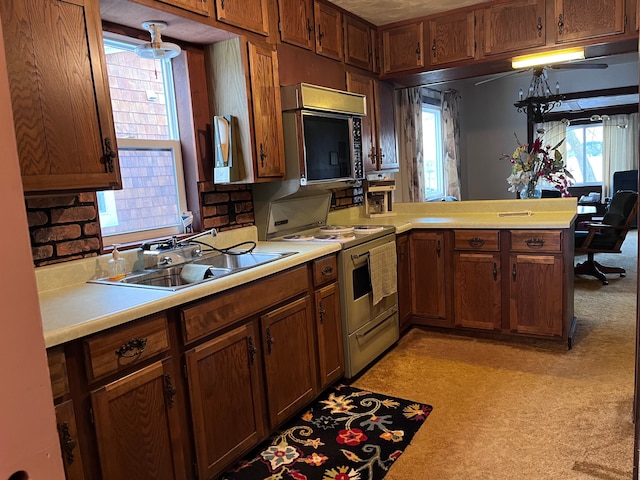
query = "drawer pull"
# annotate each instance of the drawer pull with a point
(67, 442)
(476, 242)
(534, 242)
(327, 271)
(132, 348)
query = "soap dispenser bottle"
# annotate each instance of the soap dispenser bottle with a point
(117, 266)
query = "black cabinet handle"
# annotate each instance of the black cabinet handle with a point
(534, 242)
(67, 442)
(109, 155)
(252, 349)
(263, 154)
(169, 390)
(560, 24)
(270, 340)
(132, 348)
(513, 272)
(476, 242)
(539, 26)
(495, 271)
(438, 248)
(321, 312)
(327, 271)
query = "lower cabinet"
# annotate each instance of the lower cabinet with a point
(137, 425)
(404, 281)
(68, 434)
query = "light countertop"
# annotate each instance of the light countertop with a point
(71, 308)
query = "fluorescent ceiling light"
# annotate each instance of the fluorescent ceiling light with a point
(547, 58)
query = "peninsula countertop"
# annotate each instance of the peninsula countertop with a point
(72, 308)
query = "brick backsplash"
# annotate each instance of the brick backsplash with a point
(66, 227)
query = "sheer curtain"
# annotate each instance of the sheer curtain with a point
(619, 147)
(410, 147)
(451, 142)
(552, 133)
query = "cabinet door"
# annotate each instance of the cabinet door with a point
(267, 116)
(226, 398)
(250, 15)
(62, 116)
(202, 7)
(387, 154)
(536, 292)
(289, 356)
(364, 85)
(428, 276)
(477, 291)
(137, 426)
(404, 281)
(328, 30)
(296, 23)
(402, 47)
(357, 43)
(329, 330)
(584, 19)
(68, 434)
(516, 25)
(452, 38)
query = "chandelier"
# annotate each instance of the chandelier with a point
(539, 100)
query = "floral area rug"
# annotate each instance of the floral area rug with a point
(347, 434)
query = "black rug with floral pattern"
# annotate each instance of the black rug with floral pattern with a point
(347, 434)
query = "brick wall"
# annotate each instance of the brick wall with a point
(226, 206)
(348, 197)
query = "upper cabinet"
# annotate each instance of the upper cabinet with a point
(328, 30)
(513, 26)
(201, 7)
(452, 38)
(357, 43)
(244, 83)
(586, 19)
(250, 15)
(63, 118)
(296, 23)
(403, 47)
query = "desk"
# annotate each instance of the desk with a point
(585, 214)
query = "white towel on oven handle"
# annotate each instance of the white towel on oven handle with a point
(383, 271)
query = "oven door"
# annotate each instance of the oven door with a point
(357, 298)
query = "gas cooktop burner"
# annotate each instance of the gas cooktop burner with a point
(336, 229)
(367, 228)
(333, 237)
(297, 238)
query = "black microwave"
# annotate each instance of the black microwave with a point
(322, 134)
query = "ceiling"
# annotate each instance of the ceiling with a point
(381, 12)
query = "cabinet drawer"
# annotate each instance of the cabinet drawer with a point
(58, 372)
(325, 270)
(487, 240)
(536, 240)
(211, 315)
(110, 351)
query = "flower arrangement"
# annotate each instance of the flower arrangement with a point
(534, 162)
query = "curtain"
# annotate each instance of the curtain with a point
(410, 147)
(619, 147)
(451, 142)
(552, 133)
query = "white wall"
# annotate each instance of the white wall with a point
(489, 120)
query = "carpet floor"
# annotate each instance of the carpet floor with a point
(507, 410)
(346, 434)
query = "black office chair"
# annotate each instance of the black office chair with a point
(607, 236)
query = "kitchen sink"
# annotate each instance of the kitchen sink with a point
(200, 270)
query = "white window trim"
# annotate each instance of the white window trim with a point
(439, 147)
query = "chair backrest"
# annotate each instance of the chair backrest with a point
(621, 213)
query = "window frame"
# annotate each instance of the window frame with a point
(430, 104)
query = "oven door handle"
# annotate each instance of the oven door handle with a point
(358, 256)
(375, 327)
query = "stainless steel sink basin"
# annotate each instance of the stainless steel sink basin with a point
(209, 268)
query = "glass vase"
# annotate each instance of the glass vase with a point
(531, 190)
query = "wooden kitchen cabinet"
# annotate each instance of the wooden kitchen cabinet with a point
(587, 19)
(378, 126)
(201, 7)
(537, 284)
(512, 26)
(404, 281)
(403, 47)
(328, 21)
(477, 279)
(452, 38)
(243, 82)
(328, 321)
(62, 116)
(357, 43)
(249, 15)
(137, 425)
(296, 23)
(226, 394)
(429, 276)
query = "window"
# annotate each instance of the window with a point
(152, 199)
(584, 153)
(432, 140)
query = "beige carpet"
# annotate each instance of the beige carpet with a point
(523, 411)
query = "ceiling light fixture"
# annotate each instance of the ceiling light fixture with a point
(157, 49)
(547, 58)
(539, 100)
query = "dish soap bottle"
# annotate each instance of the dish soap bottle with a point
(116, 266)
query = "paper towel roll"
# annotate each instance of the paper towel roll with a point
(192, 273)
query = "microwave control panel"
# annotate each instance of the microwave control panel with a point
(358, 166)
